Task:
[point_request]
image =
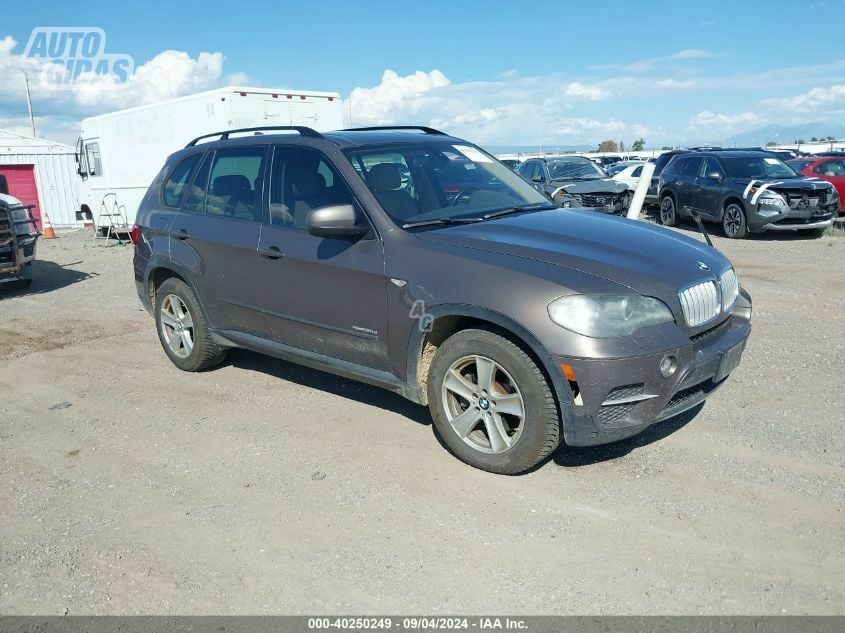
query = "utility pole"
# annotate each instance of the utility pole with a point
(29, 104)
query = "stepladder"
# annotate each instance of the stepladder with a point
(112, 218)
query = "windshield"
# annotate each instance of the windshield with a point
(758, 167)
(433, 181)
(575, 168)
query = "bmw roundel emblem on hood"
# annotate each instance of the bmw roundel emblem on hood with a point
(702, 266)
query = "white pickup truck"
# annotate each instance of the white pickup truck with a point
(18, 239)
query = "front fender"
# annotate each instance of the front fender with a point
(417, 336)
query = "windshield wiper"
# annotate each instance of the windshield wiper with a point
(443, 220)
(540, 206)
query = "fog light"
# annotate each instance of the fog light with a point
(668, 366)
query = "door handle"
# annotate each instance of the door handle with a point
(271, 252)
(182, 234)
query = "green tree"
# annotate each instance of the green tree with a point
(621, 146)
(608, 146)
(814, 140)
(639, 145)
(667, 147)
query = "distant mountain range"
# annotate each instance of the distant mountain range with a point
(786, 134)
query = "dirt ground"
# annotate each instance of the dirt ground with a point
(127, 486)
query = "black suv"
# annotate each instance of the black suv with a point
(417, 262)
(746, 191)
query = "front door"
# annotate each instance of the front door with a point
(322, 295)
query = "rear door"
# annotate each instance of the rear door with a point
(215, 236)
(686, 183)
(327, 296)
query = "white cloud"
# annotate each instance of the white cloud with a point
(692, 53)
(169, 74)
(508, 110)
(712, 119)
(813, 99)
(394, 96)
(578, 90)
(643, 65)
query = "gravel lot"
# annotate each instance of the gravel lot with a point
(127, 486)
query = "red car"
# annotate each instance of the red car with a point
(830, 168)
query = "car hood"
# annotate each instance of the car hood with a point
(647, 258)
(791, 184)
(599, 185)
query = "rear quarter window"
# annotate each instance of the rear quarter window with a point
(174, 186)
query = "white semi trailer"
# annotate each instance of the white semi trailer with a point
(120, 153)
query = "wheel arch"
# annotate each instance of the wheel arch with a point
(445, 320)
(728, 200)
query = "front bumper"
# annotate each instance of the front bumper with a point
(14, 265)
(786, 218)
(622, 397)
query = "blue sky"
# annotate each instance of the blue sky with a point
(498, 73)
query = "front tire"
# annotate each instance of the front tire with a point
(734, 223)
(668, 211)
(491, 404)
(183, 330)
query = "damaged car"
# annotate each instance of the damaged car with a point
(746, 191)
(575, 181)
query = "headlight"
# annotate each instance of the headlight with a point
(772, 199)
(606, 316)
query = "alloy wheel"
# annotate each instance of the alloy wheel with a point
(667, 211)
(483, 404)
(177, 326)
(733, 220)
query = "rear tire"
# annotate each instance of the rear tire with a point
(183, 330)
(491, 404)
(668, 211)
(734, 223)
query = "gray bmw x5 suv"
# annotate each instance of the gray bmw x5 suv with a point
(518, 323)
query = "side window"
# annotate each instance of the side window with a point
(831, 168)
(675, 167)
(637, 172)
(174, 186)
(302, 179)
(195, 199)
(712, 166)
(234, 186)
(692, 166)
(526, 169)
(92, 153)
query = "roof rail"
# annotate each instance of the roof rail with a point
(422, 128)
(304, 131)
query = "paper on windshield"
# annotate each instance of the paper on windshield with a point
(473, 154)
(772, 161)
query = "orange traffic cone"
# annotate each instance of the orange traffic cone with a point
(47, 229)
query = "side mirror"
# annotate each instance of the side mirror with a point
(715, 175)
(337, 221)
(539, 179)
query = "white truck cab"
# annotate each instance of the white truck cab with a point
(120, 153)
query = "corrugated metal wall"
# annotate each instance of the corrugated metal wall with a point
(55, 176)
